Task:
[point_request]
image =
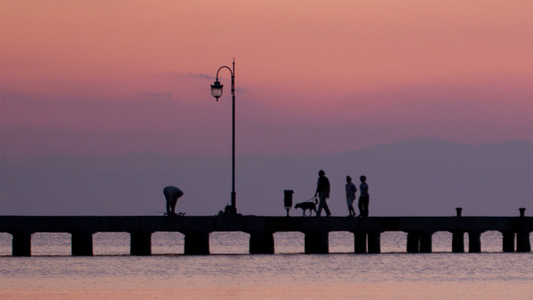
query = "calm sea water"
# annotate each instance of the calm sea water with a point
(230, 273)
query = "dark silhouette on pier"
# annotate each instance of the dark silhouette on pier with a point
(309, 205)
(172, 194)
(322, 191)
(350, 195)
(364, 198)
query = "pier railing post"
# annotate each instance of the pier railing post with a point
(21, 244)
(316, 242)
(140, 243)
(82, 243)
(196, 243)
(261, 242)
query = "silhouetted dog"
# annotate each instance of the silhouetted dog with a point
(307, 206)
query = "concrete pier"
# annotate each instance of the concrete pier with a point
(316, 242)
(196, 242)
(261, 242)
(458, 241)
(82, 243)
(141, 243)
(419, 242)
(367, 231)
(21, 243)
(359, 238)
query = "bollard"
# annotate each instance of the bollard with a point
(522, 212)
(459, 211)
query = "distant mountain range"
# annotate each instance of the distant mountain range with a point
(423, 177)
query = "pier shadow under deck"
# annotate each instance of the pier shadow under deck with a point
(366, 231)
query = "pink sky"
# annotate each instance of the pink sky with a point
(113, 77)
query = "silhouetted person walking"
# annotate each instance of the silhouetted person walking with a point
(364, 198)
(172, 194)
(322, 190)
(350, 195)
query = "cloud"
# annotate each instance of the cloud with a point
(199, 75)
(154, 94)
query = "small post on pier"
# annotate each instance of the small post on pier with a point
(141, 243)
(82, 243)
(21, 244)
(522, 212)
(459, 211)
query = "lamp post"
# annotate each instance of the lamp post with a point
(216, 91)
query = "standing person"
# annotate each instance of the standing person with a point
(350, 195)
(322, 190)
(364, 197)
(172, 194)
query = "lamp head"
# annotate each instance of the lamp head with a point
(216, 89)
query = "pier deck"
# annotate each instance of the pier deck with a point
(367, 231)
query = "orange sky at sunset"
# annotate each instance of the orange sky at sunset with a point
(112, 77)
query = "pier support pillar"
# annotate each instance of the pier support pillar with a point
(196, 243)
(508, 241)
(359, 239)
(261, 242)
(413, 239)
(374, 242)
(316, 242)
(474, 242)
(458, 242)
(82, 243)
(140, 243)
(426, 245)
(21, 244)
(522, 242)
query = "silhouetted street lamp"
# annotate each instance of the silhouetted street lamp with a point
(216, 91)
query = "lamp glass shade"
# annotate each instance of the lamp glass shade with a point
(216, 89)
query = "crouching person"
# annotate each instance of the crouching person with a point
(172, 194)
